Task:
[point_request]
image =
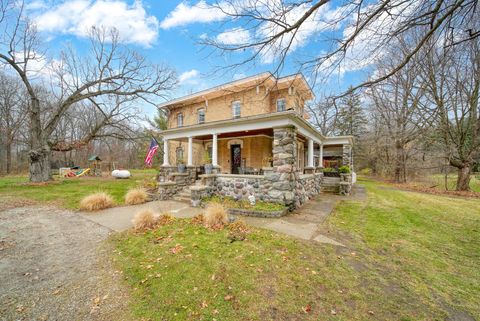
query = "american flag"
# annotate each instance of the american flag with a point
(151, 152)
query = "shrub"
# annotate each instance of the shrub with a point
(238, 231)
(366, 171)
(329, 170)
(165, 219)
(95, 202)
(344, 169)
(136, 196)
(144, 220)
(215, 216)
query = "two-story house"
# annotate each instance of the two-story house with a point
(233, 126)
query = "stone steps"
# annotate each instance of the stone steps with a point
(330, 189)
(331, 185)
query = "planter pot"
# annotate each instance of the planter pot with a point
(331, 174)
(181, 168)
(208, 168)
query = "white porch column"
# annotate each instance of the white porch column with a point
(190, 151)
(165, 152)
(310, 152)
(320, 158)
(214, 151)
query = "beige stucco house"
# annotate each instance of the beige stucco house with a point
(234, 127)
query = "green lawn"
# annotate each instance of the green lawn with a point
(409, 256)
(67, 192)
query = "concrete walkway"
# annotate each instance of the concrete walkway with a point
(304, 223)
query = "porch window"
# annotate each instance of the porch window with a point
(236, 109)
(201, 116)
(180, 120)
(281, 104)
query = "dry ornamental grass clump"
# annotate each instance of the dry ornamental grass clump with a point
(216, 216)
(165, 219)
(144, 220)
(95, 202)
(136, 196)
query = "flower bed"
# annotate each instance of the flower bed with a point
(243, 207)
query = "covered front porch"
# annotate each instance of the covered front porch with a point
(245, 146)
(276, 157)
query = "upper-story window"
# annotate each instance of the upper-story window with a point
(201, 115)
(236, 109)
(180, 120)
(281, 104)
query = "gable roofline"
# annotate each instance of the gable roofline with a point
(257, 79)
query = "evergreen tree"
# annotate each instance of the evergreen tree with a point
(351, 119)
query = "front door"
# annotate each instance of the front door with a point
(236, 158)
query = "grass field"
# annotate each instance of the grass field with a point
(409, 256)
(67, 192)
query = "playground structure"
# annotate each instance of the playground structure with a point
(93, 170)
(95, 162)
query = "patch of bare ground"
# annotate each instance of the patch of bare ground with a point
(8, 202)
(57, 267)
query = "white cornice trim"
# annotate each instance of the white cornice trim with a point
(273, 120)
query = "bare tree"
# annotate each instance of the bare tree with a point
(268, 31)
(13, 111)
(323, 114)
(109, 69)
(399, 106)
(453, 79)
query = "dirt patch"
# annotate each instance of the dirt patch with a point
(55, 266)
(8, 202)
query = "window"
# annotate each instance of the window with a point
(179, 154)
(201, 116)
(180, 120)
(281, 104)
(236, 109)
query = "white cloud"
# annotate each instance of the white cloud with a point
(35, 5)
(185, 14)
(235, 36)
(78, 16)
(188, 76)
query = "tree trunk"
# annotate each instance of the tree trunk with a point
(399, 164)
(463, 178)
(8, 148)
(40, 165)
(39, 155)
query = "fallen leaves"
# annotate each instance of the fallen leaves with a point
(228, 297)
(307, 308)
(176, 249)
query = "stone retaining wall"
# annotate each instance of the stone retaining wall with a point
(166, 190)
(240, 186)
(308, 186)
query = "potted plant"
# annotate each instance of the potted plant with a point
(207, 163)
(344, 169)
(181, 166)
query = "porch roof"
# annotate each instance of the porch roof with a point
(250, 123)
